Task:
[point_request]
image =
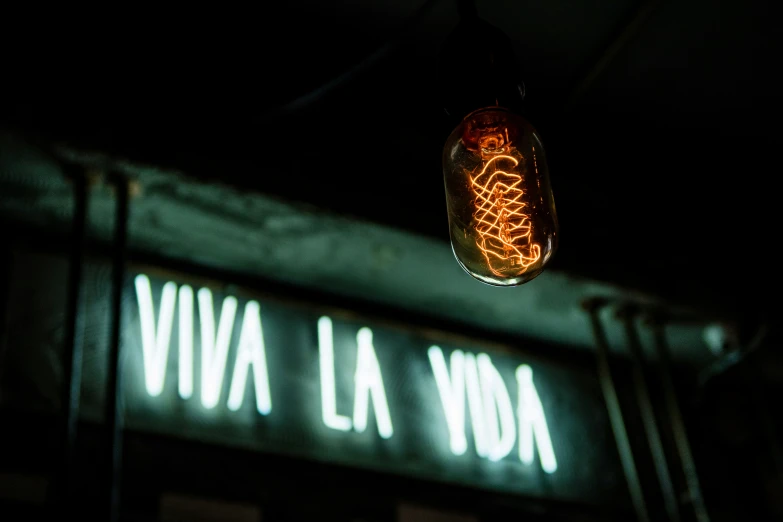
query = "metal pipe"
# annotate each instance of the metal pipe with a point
(593, 306)
(627, 315)
(74, 336)
(113, 415)
(677, 424)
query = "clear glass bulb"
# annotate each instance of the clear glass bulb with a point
(502, 218)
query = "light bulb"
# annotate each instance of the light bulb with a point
(502, 218)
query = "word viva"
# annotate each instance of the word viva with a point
(469, 386)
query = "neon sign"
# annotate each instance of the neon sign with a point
(469, 386)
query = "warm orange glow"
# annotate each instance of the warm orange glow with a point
(502, 220)
(504, 229)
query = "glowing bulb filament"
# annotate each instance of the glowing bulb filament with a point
(504, 229)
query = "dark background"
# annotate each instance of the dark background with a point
(660, 117)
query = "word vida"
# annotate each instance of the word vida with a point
(467, 383)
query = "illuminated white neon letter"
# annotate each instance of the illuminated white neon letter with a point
(328, 394)
(214, 350)
(185, 342)
(155, 340)
(369, 385)
(452, 394)
(476, 406)
(532, 423)
(251, 351)
(497, 408)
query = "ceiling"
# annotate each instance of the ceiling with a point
(660, 118)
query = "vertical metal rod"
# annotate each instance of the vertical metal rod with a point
(74, 330)
(615, 413)
(644, 402)
(113, 396)
(678, 426)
